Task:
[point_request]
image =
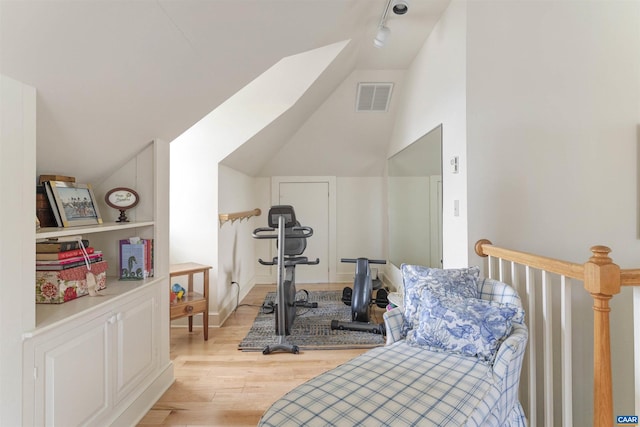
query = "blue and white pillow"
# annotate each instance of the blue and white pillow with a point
(495, 290)
(467, 326)
(452, 283)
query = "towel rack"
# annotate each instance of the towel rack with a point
(238, 215)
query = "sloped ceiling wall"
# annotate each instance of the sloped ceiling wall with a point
(112, 75)
(283, 95)
(338, 141)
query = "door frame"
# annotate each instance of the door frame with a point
(331, 181)
(435, 217)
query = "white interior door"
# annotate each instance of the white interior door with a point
(310, 201)
(435, 206)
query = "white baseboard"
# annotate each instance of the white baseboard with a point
(389, 283)
(231, 304)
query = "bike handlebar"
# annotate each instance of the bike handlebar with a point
(371, 261)
(307, 232)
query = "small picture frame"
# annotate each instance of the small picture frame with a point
(76, 203)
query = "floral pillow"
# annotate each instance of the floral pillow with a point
(453, 283)
(468, 326)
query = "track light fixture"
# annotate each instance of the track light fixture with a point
(400, 7)
(382, 36)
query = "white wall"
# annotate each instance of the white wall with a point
(433, 94)
(360, 222)
(17, 242)
(236, 247)
(553, 108)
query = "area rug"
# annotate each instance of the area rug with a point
(312, 327)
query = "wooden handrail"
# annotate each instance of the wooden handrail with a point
(602, 279)
(630, 277)
(485, 248)
(238, 216)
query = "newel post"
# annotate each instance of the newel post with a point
(602, 281)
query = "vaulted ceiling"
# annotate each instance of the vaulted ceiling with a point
(112, 75)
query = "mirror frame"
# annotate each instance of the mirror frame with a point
(407, 230)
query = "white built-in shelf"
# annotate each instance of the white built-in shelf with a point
(48, 316)
(49, 232)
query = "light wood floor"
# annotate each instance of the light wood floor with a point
(218, 385)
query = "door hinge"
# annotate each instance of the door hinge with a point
(35, 373)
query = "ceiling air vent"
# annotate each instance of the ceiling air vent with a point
(373, 96)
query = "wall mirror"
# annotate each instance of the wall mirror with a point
(415, 202)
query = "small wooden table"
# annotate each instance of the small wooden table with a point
(192, 302)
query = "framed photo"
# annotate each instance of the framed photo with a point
(76, 203)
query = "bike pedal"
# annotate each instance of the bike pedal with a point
(381, 298)
(346, 296)
(268, 308)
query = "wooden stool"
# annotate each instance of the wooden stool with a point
(192, 302)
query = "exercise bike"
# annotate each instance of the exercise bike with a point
(359, 298)
(291, 243)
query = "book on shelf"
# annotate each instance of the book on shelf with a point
(53, 204)
(96, 254)
(73, 238)
(50, 177)
(52, 256)
(55, 245)
(66, 266)
(132, 259)
(43, 208)
(136, 258)
(149, 251)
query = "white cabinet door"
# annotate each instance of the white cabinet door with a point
(90, 369)
(72, 375)
(136, 344)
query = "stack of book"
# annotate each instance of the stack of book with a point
(62, 267)
(61, 255)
